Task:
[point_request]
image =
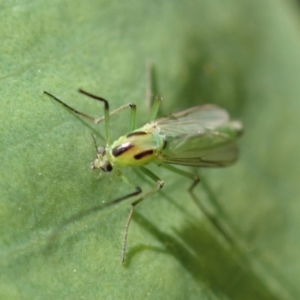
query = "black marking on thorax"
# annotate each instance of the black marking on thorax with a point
(143, 154)
(117, 151)
(136, 133)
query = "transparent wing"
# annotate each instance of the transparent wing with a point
(200, 136)
(193, 120)
(214, 157)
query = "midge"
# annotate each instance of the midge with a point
(201, 136)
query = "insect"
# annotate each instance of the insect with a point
(201, 136)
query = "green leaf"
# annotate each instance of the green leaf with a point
(243, 55)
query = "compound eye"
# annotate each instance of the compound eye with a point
(107, 167)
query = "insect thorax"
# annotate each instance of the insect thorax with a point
(135, 149)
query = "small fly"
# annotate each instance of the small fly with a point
(201, 136)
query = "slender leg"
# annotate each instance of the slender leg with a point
(98, 120)
(96, 208)
(160, 184)
(152, 107)
(196, 179)
(155, 108)
(132, 115)
(106, 112)
(149, 84)
(69, 107)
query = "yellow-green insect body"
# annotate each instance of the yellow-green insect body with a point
(201, 136)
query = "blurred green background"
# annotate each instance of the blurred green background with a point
(242, 55)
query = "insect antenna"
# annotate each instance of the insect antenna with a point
(95, 142)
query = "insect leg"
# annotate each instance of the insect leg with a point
(69, 107)
(106, 112)
(123, 107)
(149, 84)
(160, 184)
(155, 107)
(92, 210)
(196, 179)
(152, 107)
(98, 120)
